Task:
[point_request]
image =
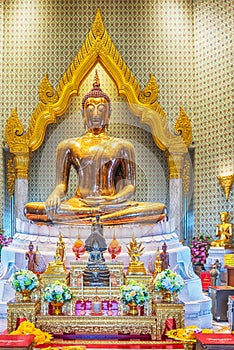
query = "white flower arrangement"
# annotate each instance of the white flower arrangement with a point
(170, 281)
(57, 292)
(134, 292)
(24, 280)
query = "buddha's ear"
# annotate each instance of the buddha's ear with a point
(110, 110)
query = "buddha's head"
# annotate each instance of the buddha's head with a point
(31, 246)
(223, 216)
(96, 107)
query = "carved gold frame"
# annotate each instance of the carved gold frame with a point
(97, 48)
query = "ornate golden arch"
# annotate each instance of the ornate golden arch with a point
(97, 48)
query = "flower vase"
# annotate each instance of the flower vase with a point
(167, 296)
(133, 311)
(175, 297)
(25, 295)
(57, 308)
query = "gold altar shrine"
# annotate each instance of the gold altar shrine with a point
(151, 321)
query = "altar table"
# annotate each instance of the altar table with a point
(98, 324)
(18, 310)
(163, 311)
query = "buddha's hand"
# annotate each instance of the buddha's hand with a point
(52, 203)
(102, 200)
(95, 201)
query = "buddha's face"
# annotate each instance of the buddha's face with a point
(223, 216)
(96, 113)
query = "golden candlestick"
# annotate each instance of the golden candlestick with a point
(226, 184)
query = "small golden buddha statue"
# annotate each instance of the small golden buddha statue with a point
(61, 246)
(106, 169)
(224, 232)
(164, 257)
(57, 266)
(157, 264)
(31, 256)
(135, 250)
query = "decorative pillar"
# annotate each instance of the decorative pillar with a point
(21, 164)
(176, 162)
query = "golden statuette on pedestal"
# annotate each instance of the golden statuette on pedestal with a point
(135, 250)
(223, 232)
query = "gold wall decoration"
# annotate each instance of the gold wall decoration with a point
(226, 182)
(183, 127)
(186, 177)
(97, 48)
(47, 93)
(11, 177)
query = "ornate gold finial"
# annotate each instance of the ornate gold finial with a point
(46, 92)
(96, 79)
(15, 133)
(183, 127)
(226, 184)
(150, 93)
(98, 26)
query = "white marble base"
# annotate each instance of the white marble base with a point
(152, 236)
(218, 253)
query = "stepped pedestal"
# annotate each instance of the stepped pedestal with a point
(152, 237)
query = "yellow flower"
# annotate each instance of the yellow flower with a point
(132, 293)
(29, 328)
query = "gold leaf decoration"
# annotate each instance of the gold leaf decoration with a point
(11, 177)
(46, 92)
(186, 177)
(98, 26)
(150, 93)
(183, 127)
(15, 133)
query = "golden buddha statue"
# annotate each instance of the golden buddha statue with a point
(157, 264)
(135, 250)
(164, 257)
(61, 246)
(31, 256)
(106, 175)
(224, 232)
(56, 267)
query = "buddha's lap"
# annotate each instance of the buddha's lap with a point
(68, 206)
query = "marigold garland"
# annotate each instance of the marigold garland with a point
(27, 327)
(187, 333)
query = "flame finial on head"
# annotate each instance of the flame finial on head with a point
(96, 92)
